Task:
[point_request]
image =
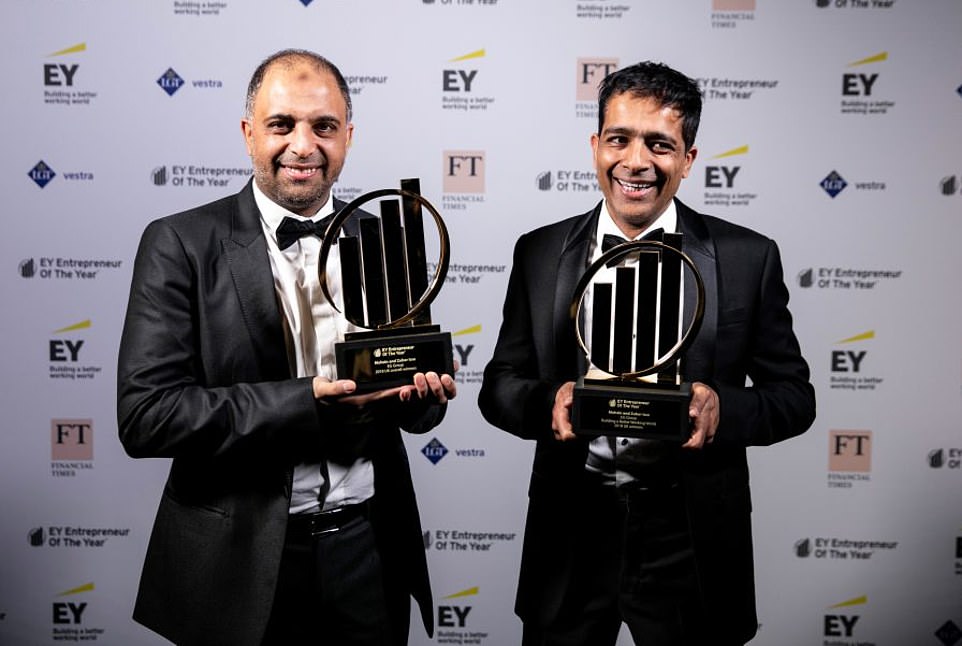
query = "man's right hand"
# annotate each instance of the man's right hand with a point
(561, 413)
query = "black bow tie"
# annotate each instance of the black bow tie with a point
(610, 241)
(291, 230)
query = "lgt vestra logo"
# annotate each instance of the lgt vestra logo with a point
(434, 450)
(170, 81)
(833, 184)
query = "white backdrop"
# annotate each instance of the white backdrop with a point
(858, 523)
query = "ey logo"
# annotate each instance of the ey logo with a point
(68, 612)
(838, 625)
(460, 80)
(851, 360)
(588, 74)
(59, 74)
(857, 84)
(464, 350)
(724, 176)
(67, 350)
(451, 616)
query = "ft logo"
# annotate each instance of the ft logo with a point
(724, 176)
(850, 451)
(452, 616)
(72, 439)
(851, 360)
(61, 75)
(838, 625)
(460, 80)
(67, 350)
(463, 171)
(855, 84)
(588, 74)
(68, 612)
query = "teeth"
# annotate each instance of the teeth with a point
(634, 187)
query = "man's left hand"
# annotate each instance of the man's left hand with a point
(703, 412)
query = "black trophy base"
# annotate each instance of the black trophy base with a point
(631, 409)
(382, 359)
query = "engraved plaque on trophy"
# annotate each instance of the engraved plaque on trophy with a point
(633, 387)
(385, 289)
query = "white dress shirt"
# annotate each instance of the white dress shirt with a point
(312, 327)
(620, 460)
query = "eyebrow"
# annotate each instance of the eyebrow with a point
(648, 134)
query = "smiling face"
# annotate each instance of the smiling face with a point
(640, 159)
(297, 135)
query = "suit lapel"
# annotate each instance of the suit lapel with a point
(247, 257)
(571, 266)
(699, 360)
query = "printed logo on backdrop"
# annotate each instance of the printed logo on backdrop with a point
(849, 458)
(720, 182)
(594, 10)
(72, 536)
(467, 274)
(454, 623)
(71, 447)
(729, 14)
(59, 268)
(469, 371)
(460, 540)
(841, 628)
(70, 618)
(462, 174)
(65, 355)
(42, 174)
(850, 372)
(834, 548)
(958, 555)
(60, 79)
(716, 88)
(459, 86)
(949, 459)
(855, 4)
(950, 185)
(834, 183)
(190, 176)
(860, 88)
(457, 3)
(171, 82)
(589, 72)
(357, 83)
(435, 451)
(568, 181)
(949, 633)
(846, 278)
(199, 8)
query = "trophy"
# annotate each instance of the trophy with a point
(385, 288)
(633, 387)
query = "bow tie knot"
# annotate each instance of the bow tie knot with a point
(291, 230)
(610, 241)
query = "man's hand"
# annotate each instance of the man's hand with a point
(561, 412)
(424, 385)
(703, 411)
(441, 387)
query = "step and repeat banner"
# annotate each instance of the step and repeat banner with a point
(832, 126)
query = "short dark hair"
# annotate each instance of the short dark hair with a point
(656, 81)
(290, 57)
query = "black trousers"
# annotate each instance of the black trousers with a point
(634, 564)
(331, 591)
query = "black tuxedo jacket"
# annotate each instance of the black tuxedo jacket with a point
(204, 378)
(747, 332)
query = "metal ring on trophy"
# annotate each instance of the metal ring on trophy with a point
(616, 253)
(441, 270)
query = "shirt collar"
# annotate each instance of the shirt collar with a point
(668, 221)
(272, 213)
